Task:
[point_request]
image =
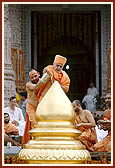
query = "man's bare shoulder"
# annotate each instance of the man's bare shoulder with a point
(29, 83)
(87, 112)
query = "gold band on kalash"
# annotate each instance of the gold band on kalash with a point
(54, 137)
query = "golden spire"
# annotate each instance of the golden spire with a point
(55, 105)
(54, 137)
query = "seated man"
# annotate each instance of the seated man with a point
(101, 133)
(57, 74)
(9, 128)
(84, 122)
(16, 116)
(105, 144)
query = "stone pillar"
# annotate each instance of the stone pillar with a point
(26, 38)
(97, 51)
(15, 24)
(9, 76)
(105, 44)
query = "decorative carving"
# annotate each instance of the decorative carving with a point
(26, 38)
(53, 154)
(9, 76)
(106, 43)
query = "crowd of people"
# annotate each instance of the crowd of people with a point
(96, 134)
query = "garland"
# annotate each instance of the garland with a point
(17, 58)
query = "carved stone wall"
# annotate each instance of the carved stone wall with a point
(105, 44)
(15, 24)
(9, 76)
(26, 38)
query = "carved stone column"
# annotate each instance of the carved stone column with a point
(26, 38)
(105, 44)
(15, 24)
(9, 78)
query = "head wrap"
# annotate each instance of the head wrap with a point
(60, 60)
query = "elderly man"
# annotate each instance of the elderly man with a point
(16, 116)
(57, 74)
(84, 122)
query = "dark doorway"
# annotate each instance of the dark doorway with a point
(71, 35)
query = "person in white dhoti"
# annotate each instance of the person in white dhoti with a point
(90, 103)
(16, 116)
(89, 100)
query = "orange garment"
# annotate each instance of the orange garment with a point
(88, 136)
(104, 145)
(11, 129)
(60, 60)
(108, 115)
(30, 120)
(61, 77)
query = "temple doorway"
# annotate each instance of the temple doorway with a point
(72, 35)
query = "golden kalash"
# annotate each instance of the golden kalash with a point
(54, 136)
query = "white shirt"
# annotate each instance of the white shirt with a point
(92, 91)
(101, 134)
(18, 116)
(14, 115)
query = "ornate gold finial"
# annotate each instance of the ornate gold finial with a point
(55, 105)
(54, 137)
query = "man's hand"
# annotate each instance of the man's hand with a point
(46, 69)
(16, 143)
(78, 125)
(53, 80)
(15, 122)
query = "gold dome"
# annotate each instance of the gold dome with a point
(55, 106)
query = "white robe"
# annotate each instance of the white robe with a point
(89, 102)
(92, 91)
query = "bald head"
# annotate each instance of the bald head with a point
(76, 105)
(34, 76)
